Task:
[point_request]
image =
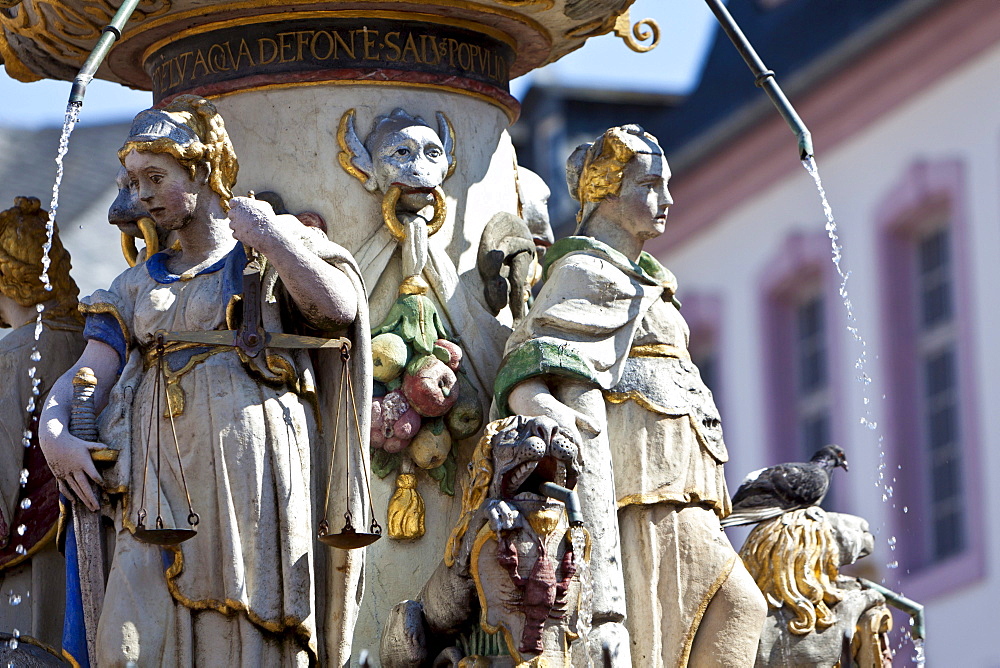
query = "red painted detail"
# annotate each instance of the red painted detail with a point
(460, 84)
(43, 513)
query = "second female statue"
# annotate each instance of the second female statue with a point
(603, 351)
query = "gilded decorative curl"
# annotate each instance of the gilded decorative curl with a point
(634, 36)
(475, 492)
(795, 561)
(22, 240)
(213, 145)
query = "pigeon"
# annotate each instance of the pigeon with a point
(772, 491)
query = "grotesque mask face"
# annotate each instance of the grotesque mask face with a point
(529, 452)
(126, 210)
(412, 158)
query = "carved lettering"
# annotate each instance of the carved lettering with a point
(314, 49)
(390, 42)
(302, 39)
(340, 43)
(291, 46)
(411, 48)
(274, 51)
(199, 59)
(369, 42)
(217, 57)
(424, 40)
(241, 52)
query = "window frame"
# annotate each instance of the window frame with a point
(927, 196)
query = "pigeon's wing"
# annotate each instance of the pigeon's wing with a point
(799, 485)
(776, 490)
(751, 515)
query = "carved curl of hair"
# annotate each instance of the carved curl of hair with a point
(795, 560)
(594, 171)
(475, 493)
(213, 146)
(22, 237)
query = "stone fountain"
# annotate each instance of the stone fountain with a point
(286, 77)
(384, 123)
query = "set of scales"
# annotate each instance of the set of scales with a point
(251, 339)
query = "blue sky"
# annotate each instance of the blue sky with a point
(673, 67)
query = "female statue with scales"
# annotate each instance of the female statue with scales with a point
(253, 587)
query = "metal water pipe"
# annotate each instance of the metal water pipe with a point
(763, 77)
(111, 33)
(900, 602)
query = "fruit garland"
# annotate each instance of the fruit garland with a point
(423, 405)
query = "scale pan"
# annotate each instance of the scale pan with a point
(165, 537)
(349, 539)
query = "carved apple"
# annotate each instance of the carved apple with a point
(466, 416)
(394, 422)
(407, 426)
(395, 445)
(431, 445)
(389, 356)
(430, 386)
(377, 426)
(454, 353)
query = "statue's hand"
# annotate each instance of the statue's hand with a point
(69, 459)
(255, 223)
(532, 397)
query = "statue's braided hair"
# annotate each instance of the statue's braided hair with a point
(795, 561)
(594, 170)
(211, 146)
(22, 240)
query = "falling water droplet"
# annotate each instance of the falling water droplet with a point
(21, 529)
(893, 564)
(24, 477)
(20, 549)
(25, 504)
(13, 599)
(906, 509)
(892, 542)
(36, 356)
(31, 405)
(16, 634)
(13, 643)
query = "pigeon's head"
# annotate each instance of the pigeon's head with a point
(832, 456)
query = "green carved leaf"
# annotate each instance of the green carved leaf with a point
(445, 474)
(384, 463)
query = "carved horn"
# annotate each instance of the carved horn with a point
(354, 157)
(447, 135)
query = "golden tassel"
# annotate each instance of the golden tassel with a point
(406, 509)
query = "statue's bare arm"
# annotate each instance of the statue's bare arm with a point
(67, 455)
(324, 295)
(533, 397)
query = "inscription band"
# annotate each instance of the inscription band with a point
(331, 48)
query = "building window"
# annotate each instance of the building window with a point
(931, 430)
(799, 352)
(941, 438)
(812, 402)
